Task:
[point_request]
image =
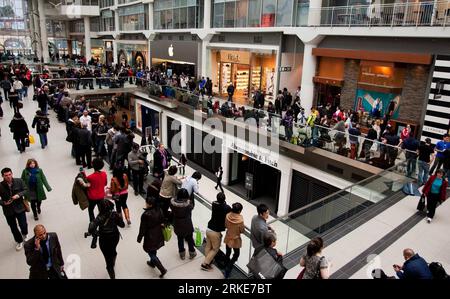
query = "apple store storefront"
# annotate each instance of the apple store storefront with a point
(175, 57)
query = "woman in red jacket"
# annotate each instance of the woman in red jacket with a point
(96, 190)
(435, 190)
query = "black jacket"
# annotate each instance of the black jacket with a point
(84, 137)
(219, 211)
(157, 161)
(42, 99)
(107, 223)
(19, 128)
(182, 217)
(38, 268)
(151, 229)
(42, 124)
(16, 207)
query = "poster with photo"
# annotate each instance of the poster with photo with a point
(369, 101)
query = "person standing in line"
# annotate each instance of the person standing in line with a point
(216, 226)
(107, 222)
(411, 145)
(234, 223)
(435, 190)
(96, 190)
(119, 190)
(259, 226)
(20, 131)
(316, 265)
(168, 190)
(86, 120)
(43, 100)
(182, 223)
(152, 223)
(439, 149)
(12, 192)
(42, 124)
(161, 161)
(84, 138)
(191, 185)
(34, 178)
(219, 175)
(136, 161)
(44, 255)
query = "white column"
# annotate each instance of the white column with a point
(87, 39)
(115, 58)
(163, 129)
(150, 16)
(184, 139)
(308, 73)
(285, 190)
(205, 56)
(225, 163)
(43, 29)
(207, 14)
(314, 12)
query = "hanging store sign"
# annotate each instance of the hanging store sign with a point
(241, 57)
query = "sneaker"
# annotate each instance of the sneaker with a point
(192, 254)
(19, 246)
(206, 267)
(429, 220)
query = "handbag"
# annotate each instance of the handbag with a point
(26, 205)
(421, 204)
(167, 232)
(264, 266)
(198, 237)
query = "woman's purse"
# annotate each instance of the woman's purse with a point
(421, 204)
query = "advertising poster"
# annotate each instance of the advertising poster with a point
(388, 101)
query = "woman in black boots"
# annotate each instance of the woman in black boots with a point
(152, 223)
(107, 222)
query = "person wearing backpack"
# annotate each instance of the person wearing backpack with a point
(42, 123)
(415, 267)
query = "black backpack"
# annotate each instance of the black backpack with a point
(438, 271)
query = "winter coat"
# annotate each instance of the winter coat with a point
(41, 182)
(151, 229)
(42, 124)
(182, 217)
(79, 193)
(169, 186)
(427, 188)
(16, 207)
(415, 268)
(35, 260)
(235, 227)
(158, 160)
(219, 212)
(19, 128)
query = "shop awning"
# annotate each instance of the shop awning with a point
(413, 58)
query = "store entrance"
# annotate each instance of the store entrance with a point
(265, 180)
(239, 75)
(328, 94)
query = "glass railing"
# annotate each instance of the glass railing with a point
(321, 216)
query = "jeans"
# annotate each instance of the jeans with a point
(43, 139)
(422, 175)
(6, 92)
(44, 109)
(189, 239)
(25, 91)
(22, 219)
(153, 257)
(138, 180)
(411, 167)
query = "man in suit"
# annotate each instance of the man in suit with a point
(43, 253)
(12, 191)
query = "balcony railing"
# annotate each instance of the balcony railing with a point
(396, 14)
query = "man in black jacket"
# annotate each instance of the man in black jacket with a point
(11, 199)
(44, 256)
(85, 146)
(215, 228)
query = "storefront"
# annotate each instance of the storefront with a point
(109, 56)
(249, 70)
(147, 118)
(132, 54)
(175, 56)
(97, 49)
(375, 84)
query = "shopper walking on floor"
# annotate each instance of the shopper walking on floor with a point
(96, 190)
(435, 190)
(136, 161)
(216, 226)
(107, 223)
(12, 192)
(152, 223)
(425, 153)
(219, 175)
(20, 131)
(34, 178)
(234, 223)
(42, 123)
(119, 190)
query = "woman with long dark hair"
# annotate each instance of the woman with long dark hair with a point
(119, 190)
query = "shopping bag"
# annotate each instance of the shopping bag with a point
(26, 205)
(264, 266)
(31, 138)
(167, 232)
(421, 204)
(198, 237)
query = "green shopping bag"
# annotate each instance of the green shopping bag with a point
(198, 237)
(167, 232)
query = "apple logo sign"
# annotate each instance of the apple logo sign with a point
(171, 50)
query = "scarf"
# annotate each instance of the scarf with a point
(33, 177)
(164, 158)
